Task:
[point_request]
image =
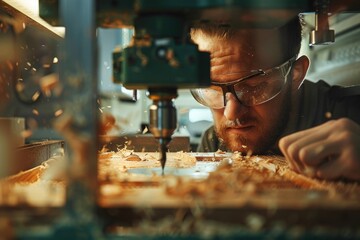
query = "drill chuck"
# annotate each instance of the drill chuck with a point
(163, 118)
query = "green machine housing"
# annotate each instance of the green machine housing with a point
(160, 56)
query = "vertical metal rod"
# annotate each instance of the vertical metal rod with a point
(78, 76)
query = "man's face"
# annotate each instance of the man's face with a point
(247, 128)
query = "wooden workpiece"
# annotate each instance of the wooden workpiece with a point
(226, 187)
(236, 181)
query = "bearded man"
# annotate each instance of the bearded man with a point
(261, 103)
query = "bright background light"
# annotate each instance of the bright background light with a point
(200, 114)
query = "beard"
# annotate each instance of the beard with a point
(260, 139)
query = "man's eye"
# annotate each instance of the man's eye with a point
(257, 88)
(258, 82)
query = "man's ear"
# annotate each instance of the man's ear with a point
(300, 67)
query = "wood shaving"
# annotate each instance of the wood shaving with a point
(133, 157)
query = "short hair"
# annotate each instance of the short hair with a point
(291, 33)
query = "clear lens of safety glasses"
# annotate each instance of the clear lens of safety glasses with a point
(210, 97)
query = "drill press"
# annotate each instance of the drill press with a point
(162, 59)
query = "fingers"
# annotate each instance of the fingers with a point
(296, 147)
(331, 169)
(316, 153)
(330, 151)
(326, 127)
(304, 146)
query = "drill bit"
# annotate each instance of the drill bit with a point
(163, 150)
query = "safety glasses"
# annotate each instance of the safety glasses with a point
(256, 88)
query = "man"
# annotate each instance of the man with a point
(261, 103)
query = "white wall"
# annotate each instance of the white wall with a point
(339, 62)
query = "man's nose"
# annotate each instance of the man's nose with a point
(233, 108)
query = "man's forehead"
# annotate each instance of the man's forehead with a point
(257, 46)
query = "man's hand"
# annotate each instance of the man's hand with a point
(328, 151)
